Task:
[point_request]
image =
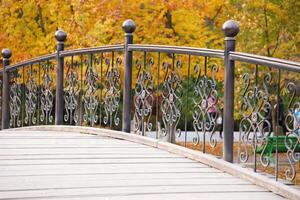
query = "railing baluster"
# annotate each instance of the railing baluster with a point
(101, 89)
(112, 85)
(61, 37)
(23, 98)
(255, 132)
(157, 98)
(187, 101)
(128, 27)
(231, 29)
(6, 54)
(81, 94)
(143, 105)
(204, 131)
(39, 94)
(276, 129)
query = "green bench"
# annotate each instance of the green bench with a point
(271, 145)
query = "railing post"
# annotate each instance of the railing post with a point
(61, 37)
(6, 54)
(231, 29)
(128, 27)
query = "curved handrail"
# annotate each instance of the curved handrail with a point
(177, 49)
(266, 61)
(237, 56)
(73, 52)
(31, 61)
(102, 49)
(131, 47)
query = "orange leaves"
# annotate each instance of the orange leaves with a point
(28, 26)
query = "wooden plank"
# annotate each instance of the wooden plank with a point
(127, 190)
(70, 182)
(71, 140)
(42, 135)
(106, 167)
(84, 156)
(56, 135)
(36, 132)
(100, 146)
(92, 169)
(147, 161)
(37, 142)
(67, 142)
(176, 196)
(79, 150)
(104, 154)
(124, 176)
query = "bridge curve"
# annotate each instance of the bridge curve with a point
(63, 162)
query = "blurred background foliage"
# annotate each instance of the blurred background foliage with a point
(268, 27)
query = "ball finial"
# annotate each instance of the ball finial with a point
(60, 35)
(231, 28)
(128, 26)
(6, 53)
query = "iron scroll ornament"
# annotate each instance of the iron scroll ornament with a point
(71, 92)
(15, 99)
(47, 93)
(205, 105)
(90, 98)
(143, 97)
(255, 125)
(171, 106)
(292, 138)
(112, 93)
(31, 97)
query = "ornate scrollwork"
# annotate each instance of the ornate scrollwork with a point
(47, 93)
(15, 99)
(71, 92)
(171, 106)
(113, 91)
(256, 112)
(292, 138)
(205, 109)
(31, 98)
(90, 98)
(143, 98)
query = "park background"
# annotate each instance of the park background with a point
(267, 27)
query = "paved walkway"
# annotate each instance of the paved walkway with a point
(49, 165)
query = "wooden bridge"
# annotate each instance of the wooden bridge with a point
(171, 92)
(89, 163)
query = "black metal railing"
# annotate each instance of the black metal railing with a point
(193, 97)
(176, 93)
(270, 115)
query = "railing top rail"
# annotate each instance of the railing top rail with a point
(64, 54)
(31, 61)
(177, 49)
(266, 61)
(102, 49)
(237, 56)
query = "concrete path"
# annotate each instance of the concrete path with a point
(52, 165)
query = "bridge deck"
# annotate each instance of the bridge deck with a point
(44, 165)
